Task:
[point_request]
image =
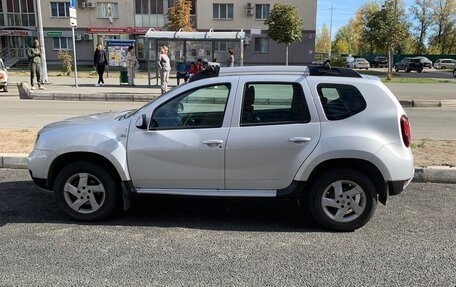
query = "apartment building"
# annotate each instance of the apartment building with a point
(100, 20)
(249, 15)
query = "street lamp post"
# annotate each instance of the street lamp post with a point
(44, 74)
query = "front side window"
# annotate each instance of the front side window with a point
(108, 10)
(222, 11)
(273, 103)
(60, 9)
(261, 11)
(340, 101)
(200, 108)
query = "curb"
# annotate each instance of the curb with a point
(433, 174)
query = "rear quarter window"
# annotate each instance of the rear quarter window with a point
(340, 101)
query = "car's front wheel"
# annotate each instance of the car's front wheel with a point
(342, 199)
(85, 191)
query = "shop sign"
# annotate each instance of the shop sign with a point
(120, 30)
(15, 33)
(54, 34)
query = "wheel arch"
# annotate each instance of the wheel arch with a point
(363, 166)
(67, 158)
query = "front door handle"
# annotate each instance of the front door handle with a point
(213, 142)
(299, 139)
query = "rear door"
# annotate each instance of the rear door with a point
(274, 129)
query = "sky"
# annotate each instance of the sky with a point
(343, 11)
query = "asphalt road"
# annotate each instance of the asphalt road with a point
(190, 242)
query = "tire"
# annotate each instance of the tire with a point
(420, 71)
(454, 73)
(396, 69)
(442, 68)
(98, 191)
(333, 196)
(5, 89)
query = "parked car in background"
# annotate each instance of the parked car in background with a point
(454, 72)
(337, 140)
(359, 63)
(445, 64)
(380, 61)
(409, 64)
(3, 77)
(426, 62)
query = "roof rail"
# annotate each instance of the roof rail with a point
(324, 70)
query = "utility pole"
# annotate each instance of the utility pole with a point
(44, 74)
(330, 29)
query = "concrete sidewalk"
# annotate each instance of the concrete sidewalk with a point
(62, 88)
(435, 174)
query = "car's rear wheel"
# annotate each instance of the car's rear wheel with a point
(5, 89)
(85, 191)
(396, 69)
(420, 70)
(342, 199)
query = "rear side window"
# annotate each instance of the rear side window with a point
(340, 101)
(273, 103)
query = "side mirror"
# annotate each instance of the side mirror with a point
(141, 123)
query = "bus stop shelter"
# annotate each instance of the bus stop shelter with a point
(191, 46)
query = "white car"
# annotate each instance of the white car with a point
(445, 64)
(328, 136)
(359, 63)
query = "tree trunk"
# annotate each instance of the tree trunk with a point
(286, 55)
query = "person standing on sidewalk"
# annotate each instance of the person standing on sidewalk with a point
(34, 55)
(100, 61)
(230, 62)
(132, 62)
(165, 68)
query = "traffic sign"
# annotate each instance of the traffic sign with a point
(72, 3)
(72, 13)
(54, 34)
(73, 22)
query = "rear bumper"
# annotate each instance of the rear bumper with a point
(40, 182)
(396, 187)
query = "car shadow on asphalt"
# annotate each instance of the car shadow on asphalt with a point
(23, 202)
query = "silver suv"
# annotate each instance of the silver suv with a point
(328, 136)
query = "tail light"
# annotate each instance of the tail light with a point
(405, 130)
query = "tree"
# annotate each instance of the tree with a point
(422, 13)
(361, 43)
(386, 29)
(179, 16)
(322, 40)
(445, 20)
(284, 25)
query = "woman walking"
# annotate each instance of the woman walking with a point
(165, 68)
(132, 62)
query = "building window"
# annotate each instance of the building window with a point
(261, 45)
(172, 3)
(222, 11)
(19, 13)
(108, 10)
(261, 11)
(63, 43)
(149, 6)
(60, 9)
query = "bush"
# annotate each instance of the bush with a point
(338, 62)
(66, 60)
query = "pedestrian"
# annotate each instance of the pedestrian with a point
(100, 61)
(132, 63)
(230, 62)
(199, 65)
(165, 67)
(182, 71)
(192, 69)
(34, 55)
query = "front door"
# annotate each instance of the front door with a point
(185, 144)
(276, 130)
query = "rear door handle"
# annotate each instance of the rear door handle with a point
(212, 142)
(299, 139)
